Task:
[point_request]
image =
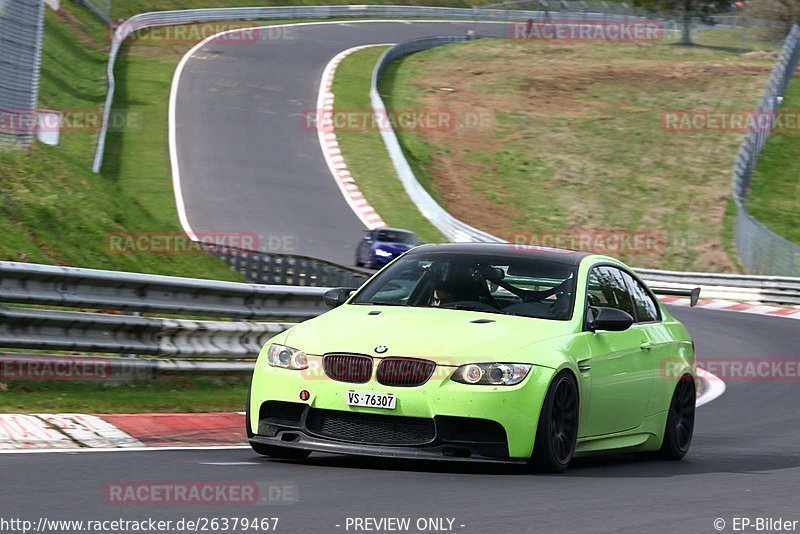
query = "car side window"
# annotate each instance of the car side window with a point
(646, 308)
(607, 287)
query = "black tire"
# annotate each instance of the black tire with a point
(680, 420)
(557, 432)
(270, 450)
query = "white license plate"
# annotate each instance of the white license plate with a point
(370, 399)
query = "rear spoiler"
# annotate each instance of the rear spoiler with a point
(693, 294)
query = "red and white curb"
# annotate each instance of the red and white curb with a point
(73, 432)
(741, 307)
(330, 145)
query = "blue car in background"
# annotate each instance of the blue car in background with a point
(381, 245)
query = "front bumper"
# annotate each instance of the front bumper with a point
(438, 452)
(515, 409)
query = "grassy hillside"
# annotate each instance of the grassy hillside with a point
(53, 209)
(569, 138)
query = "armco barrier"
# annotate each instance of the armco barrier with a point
(119, 292)
(47, 285)
(287, 269)
(782, 290)
(83, 332)
(27, 366)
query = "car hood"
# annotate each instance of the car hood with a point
(394, 248)
(449, 337)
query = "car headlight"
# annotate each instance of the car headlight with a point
(382, 253)
(491, 374)
(286, 357)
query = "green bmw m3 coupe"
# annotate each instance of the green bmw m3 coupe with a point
(481, 352)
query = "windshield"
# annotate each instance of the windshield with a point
(512, 284)
(393, 236)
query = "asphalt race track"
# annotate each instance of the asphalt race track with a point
(248, 164)
(248, 161)
(744, 461)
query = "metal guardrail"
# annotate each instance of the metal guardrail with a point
(781, 290)
(28, 366)
(286, 269)
(46, 285)
(114, 293)
(117, 293)
(99, 332)
(21, 29)
(760, 249)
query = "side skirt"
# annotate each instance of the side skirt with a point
(646, 437)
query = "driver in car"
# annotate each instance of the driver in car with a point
(458, 283)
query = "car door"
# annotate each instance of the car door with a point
(619, 369)
(661, 347)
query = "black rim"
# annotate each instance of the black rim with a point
(564, 420)
(683, 413)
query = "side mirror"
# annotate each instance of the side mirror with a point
(611, 319)
(337, 296)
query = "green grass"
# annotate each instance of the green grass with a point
(774, 197)
(375, 176)
(163, 395)
(53, 209)
(738, 39)
(575, 139)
